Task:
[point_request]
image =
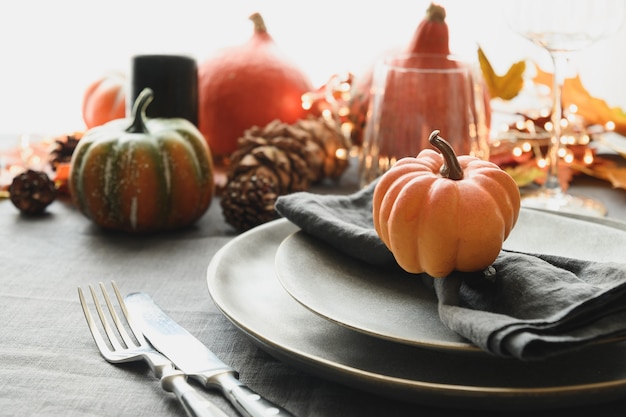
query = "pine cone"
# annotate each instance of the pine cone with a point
(277, 149)
(32, 191)
(248, 201)
(333, 144)
(63, 150)
(275, 160)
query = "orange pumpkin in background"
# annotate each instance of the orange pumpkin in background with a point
(248, 85)
(104, 100)
(430, 37)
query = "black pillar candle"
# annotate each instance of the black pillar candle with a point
(174, 80)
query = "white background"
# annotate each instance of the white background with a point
(52, 49)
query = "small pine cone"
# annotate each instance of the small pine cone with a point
(63, 150)
(248, 201)
(32, 191)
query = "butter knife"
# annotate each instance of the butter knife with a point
(194, 359)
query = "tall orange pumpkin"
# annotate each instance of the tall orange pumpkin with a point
(104, 100)
(248, 85)
(430, 37)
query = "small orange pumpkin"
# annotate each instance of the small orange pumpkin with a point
(104, 100)
(438, 212)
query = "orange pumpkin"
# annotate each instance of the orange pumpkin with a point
(430, 37)
(104, 100)
(438, 212)
(248, 85)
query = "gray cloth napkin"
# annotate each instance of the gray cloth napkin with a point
(525, 306)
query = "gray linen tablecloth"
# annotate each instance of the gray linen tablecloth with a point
(50, 365)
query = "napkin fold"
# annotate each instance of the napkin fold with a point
(525, 306)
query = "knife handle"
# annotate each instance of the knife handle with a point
(194, 404)
(246, 401)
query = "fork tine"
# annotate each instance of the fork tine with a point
(105, 322)
(137, 333)
(95, 333)
(128, 341)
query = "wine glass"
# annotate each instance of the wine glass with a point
(562, 27)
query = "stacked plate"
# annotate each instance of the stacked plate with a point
(379, 330)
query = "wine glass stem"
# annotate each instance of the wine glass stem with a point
(552, 179)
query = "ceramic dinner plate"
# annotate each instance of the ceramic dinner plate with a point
(242, 282)
(402, 307)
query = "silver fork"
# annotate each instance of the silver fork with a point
(137, 348)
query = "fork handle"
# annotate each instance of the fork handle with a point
(194, 404)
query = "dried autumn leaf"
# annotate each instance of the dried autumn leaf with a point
(505, 86)
(607, 171)
(527, 173)
(565, 174)
(524, 175)
(619, 118)
(593, 110)
(542, 77)
(617, 177)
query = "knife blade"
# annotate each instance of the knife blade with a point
(193, 358)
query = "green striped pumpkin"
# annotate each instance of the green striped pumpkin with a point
(142, 175)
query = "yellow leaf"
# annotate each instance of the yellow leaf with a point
(524, 175)
(505, 86)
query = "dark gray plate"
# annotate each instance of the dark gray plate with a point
(242, 282)
(402, 307)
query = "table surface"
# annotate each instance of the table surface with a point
(50, 365)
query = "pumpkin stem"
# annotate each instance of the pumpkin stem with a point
(259, 23)
(435, 13)
(451, 167)
(139, 111)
